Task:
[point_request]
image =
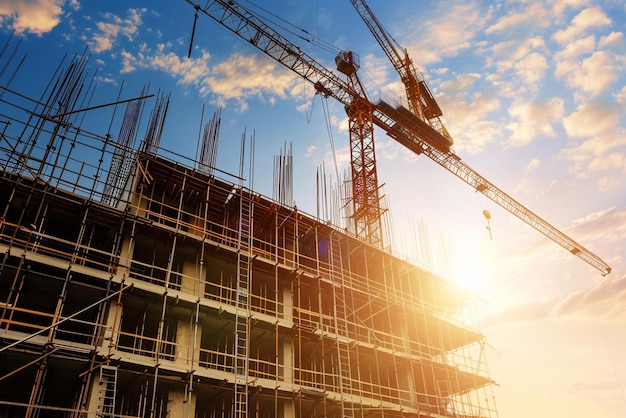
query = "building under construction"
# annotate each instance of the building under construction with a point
(135, 283)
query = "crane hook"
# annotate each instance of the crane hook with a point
(487, 216)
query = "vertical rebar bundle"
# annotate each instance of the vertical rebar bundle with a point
(50, 126)
(283, 176)
(122, 160)
(155, 124)
(210, 137)
(9, 61)
(333, 198)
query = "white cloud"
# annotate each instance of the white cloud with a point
(107, 80)
(242, 76)
(502, 87)
(531, 69)
(310, 150)
(33, 16)
(593, 75)
(534, 16)
(238, 78)
(591, 17)
(613, 161)
(515, 54)
(459, 85)
(342, 124)
(305, 106)
(375, 69)
(448, 32)
(533, 120)
(603, 144)
(591, 119)
(613, 39)
(608, 223)
(621, 96)
(186, 71)
(611, 183)
(468, 119)
(590, 158)
(598, 154)
(603, 299)
(532, 165)
(577, 48)
(559, 6)
(113, 26)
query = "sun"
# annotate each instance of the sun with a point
(471, 275)
(470, 268)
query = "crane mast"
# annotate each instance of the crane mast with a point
(364, 177)
(400, 123)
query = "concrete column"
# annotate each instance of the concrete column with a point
(126, 254)
(405, 374)
(405, 380)
(287, 299)
(185, 349)
(139, 202)
(112, 326)
(190, 282)
(180, 405)
(288, 409)
(286, 358)
(92, 401)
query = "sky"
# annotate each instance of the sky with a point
(533, 93)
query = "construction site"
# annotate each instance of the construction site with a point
(137, 282)
(146, 287)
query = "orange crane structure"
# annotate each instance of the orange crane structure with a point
(420, 129)
(420, 99)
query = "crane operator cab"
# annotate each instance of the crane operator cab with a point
(347, 62)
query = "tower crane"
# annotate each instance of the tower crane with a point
(403, 125)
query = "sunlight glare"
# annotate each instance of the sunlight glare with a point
(470, 269)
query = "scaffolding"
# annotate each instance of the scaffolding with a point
(169, 291)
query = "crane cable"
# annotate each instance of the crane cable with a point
(332, 145)
(295, 30)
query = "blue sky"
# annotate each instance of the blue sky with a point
(533, 93)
